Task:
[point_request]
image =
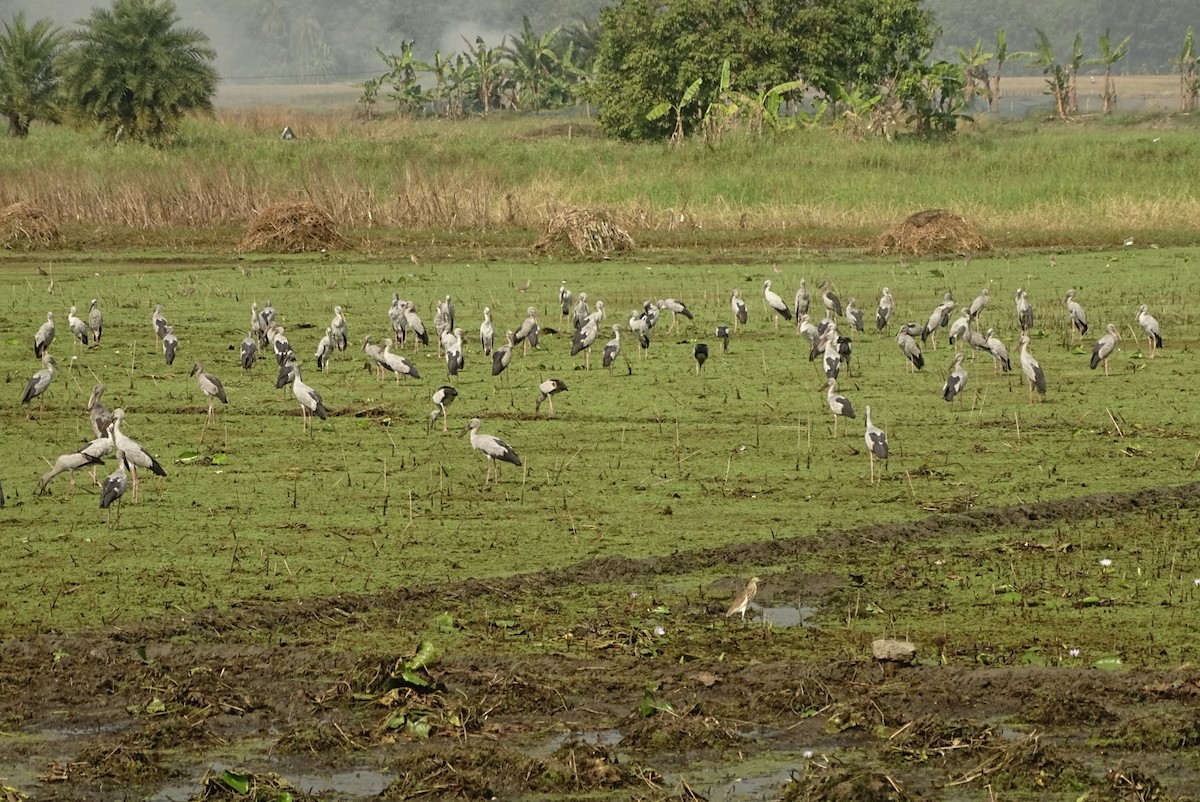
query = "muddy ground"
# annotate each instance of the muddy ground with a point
(259, 702)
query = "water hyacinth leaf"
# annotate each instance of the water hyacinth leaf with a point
(1109, 663)
(413, 678)
(397, 721)
(505, 623)
(141, 654)
(220, 459)
(188, 457)
(445, 622)
(419, 728)
(236, 782)
(662, 609)
(426, 656)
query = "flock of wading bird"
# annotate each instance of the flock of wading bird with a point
(826, 342)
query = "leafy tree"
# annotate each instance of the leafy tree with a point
(651, 51)
(1073, 75)
(404, 75)
(133, 73)
(1109, 56)
(28, 77)
(487, 72)
(975, 70)
(678, 108)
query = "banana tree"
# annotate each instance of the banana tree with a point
(533, 61)
(1109, 56)
(666, 106)
(404, 76)
(487, 71)
(1073, 74)
(1001, 57)
(975, 71)
(1189, 79)
(1058, 76)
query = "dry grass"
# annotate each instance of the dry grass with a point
(932, 231)
(25, 227)
(296, 227)
(586, 232)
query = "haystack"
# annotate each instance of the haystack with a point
(25, 227)
(933, 231)
(585, 231)
(292, 228)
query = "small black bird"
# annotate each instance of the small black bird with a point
(701, 354)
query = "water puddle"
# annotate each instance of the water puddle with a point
(786, 616)
(607, 737)
(355, 784)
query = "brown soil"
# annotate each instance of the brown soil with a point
(215, 701)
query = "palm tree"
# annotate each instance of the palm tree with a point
(136, 74)
(28, 77)
(1109, 56)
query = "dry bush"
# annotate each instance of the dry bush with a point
(292, 228)
(26, 227)
(584, 231)
(932, 231)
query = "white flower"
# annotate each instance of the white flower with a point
(808, 753)
(1073, 652)
(633, 594)
(1196, 582)
(1105, 563)
(659, 631)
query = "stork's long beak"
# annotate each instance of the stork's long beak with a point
(463, 433)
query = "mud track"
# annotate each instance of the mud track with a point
(151, 708)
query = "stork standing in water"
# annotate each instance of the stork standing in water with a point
(802, 300)
(487, 332)
(40, 382)
(95, 321)
(442, 398)
(1150, 326)
(1024, 310)
(1032, 370)
(839, 405)
(135, 454)
(1104, 347)
(44, 336)
(739, 309)
(1077, 315)
(877, 444)
(210, 385)
(700, 353)
(742, 602)
(612, 349)
(774, 302)
(546, 392)
(883, 312)
(492, 447)
(956, 382)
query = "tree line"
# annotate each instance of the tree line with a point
(656, 69)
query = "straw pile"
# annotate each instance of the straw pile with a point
(584, 231)
(932, 231)
(26, 227)
(292, 228)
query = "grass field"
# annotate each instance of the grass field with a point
(263, 604)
